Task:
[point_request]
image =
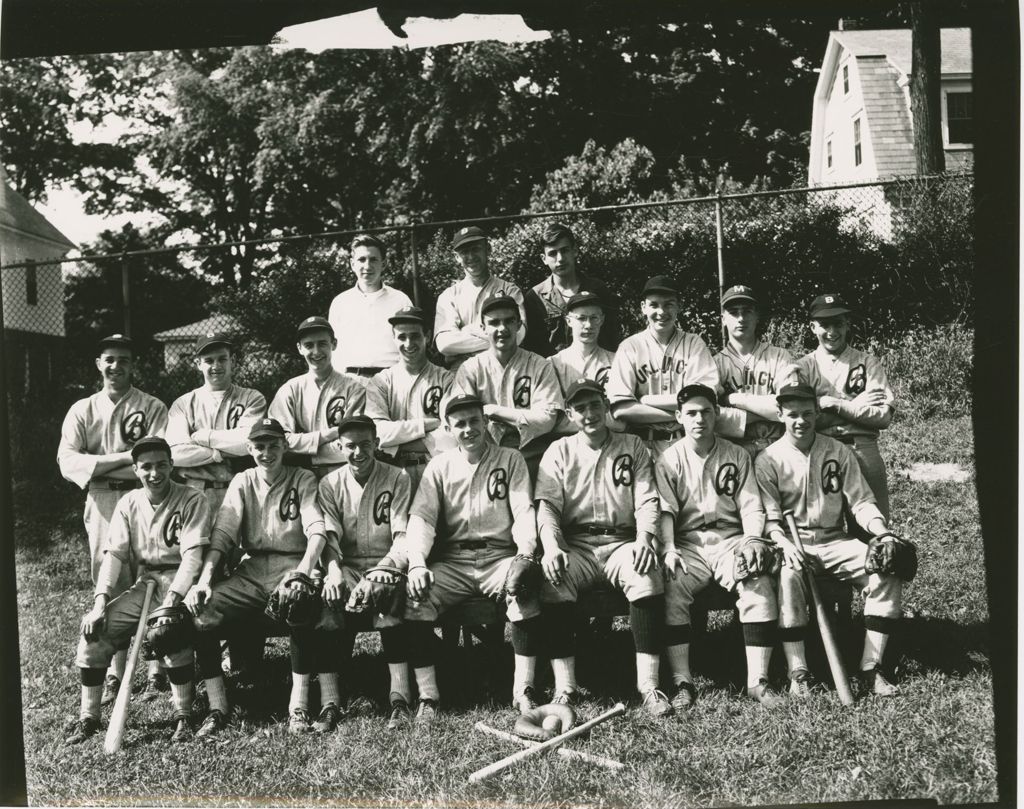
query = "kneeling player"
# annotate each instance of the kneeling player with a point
(597, 512)
(712, 523)
(271, 513)
(811, 475)
(365, 505)
(472, 513)
(161, 528)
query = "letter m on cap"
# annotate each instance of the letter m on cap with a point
(829, 299)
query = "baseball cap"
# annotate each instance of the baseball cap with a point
(467, 235)
(408, 314)
(461, 402)
(582, 386)
(357, 422)
(213, 338)
(695, 391)
(116, 341)
(313, 324)
(828, 305)
(660, 283)
(795, 392)
(265, 428)
(740, 292)
(499, 301)
(555, 231)
(583, 298)
(150, 443)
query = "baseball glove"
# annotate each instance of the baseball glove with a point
(383, 593)
(296, 601)
(545, 722)
(888, 553)
(756, 556)
(524, 577)
(168, 630)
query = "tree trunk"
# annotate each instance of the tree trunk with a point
(925, 87)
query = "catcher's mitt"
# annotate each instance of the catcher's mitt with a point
(524, 577)
(168, 630)
(545, 722)
(756, 556)
(383, 592)
(888, 553)
(296, 601)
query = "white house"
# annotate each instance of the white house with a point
(179, 342)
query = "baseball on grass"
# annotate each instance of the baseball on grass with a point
(553, 724)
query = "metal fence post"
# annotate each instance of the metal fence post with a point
(126, 295)
(415, 266)
(721, 266)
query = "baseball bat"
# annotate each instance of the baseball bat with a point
(530, 752)
(115, 730)
(835, 660)
(564, 752)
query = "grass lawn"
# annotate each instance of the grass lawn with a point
(935, 740)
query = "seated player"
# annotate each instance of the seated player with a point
(473, 516)
(597, 512)
(813, 475)
(161, 529)
(312, 406)
(271, 513)
(365, 505)
(712, 527)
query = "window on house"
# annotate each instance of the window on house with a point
(960, 117)
(856, 143)
(828, 154)
(31, 285)
(846, 79)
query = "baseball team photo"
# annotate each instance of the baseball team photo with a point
(554, 409)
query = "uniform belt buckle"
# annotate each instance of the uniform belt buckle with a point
(709, 526)
(471, 544)
(600, 530)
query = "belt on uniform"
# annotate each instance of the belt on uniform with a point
(270, 552)
(364, 370)
(411, 459)
(599, 530)
(161, 567)
(469, 544)
(707, 526)
(114, 484)
(652, 434)
(215, 484)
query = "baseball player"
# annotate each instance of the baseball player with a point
(405, 400)
(458, 333)
(584, 314)
(853, 391)
(162, 530)
(473, 516)
(359, 315)
(519, 388)
(652, 366)
(271, 513)
(813, 476)
(559, 253)
(95, 454)
(711, 514)
(750, 373)
(312, 406)
(597, 515)
(365, 505)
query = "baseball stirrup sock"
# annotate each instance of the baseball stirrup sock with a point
(400, 680)
(647, 666)
(421, 645)
(118, 663)
(874, 649)
(758, 658)
(525, 670)
(302, 647)
(679, 662)
(92, 692)
(300, 692)
(182, 697)
(647, 620)
(426, 683)
(564, 669)
(394, 643)
(328, 688)
(559, 634)
(207, 650)
(526, 636)
(153, 668)
(216, 694)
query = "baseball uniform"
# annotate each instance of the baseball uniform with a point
(571, 364)
(762, 373)
(97, 426)
(458, 332)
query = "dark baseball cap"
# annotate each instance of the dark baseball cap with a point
(266, 428)
(213, 338)
(408, 314)
(555, 231)
(461, 402)
(467, 235)
(660, 283)
(828, 305)
(357, 422)
(314, 323)
(499, 301)
(150, 443)
(584, 298)
(740, 292)
(582, 386)
(795, 392)
(688, 392)
(116, 341)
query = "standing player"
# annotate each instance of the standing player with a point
(95, 454)
(597, 512)
(359, 315)
(365, 505)
(405, 400)
(816, 477)
(751, 372)
(559, 253)
(311, 406)
(271, 513)
(457, 324)
(853, 391)
(161, 529)
(652, 366)
(711, 518)
(473, 516)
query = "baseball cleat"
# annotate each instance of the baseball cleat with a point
(328, 719)
(84, 728)
(685, 696)
(155, 684)
(111, 685)
(215, 722)
(656, 704)
(182, 729)
(526, 701)
(426, 712)
(800, 683)
(298, 721)
(762, 693)
(570, 698)
(399, 716)
(872, 680)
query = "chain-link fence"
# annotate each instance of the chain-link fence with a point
(901, 250)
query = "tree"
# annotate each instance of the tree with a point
(925, 88)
